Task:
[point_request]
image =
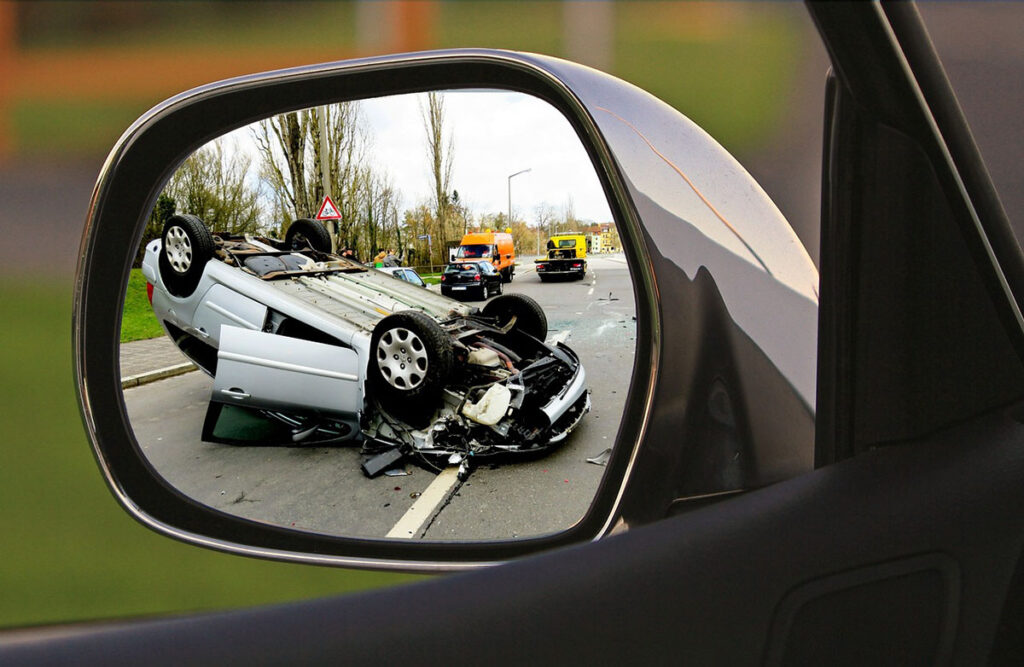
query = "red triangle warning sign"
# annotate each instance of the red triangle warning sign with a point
(328, 211)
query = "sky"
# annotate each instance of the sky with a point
(495, 134)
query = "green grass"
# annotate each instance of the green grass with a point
(71, 127)
(138, 321)
(69, 552)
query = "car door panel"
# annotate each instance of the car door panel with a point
(222, 306)
(263, 370)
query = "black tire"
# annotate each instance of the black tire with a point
(500, 289)
(542, 277)
(306, 233)
(530, 317)
(409, 384)
(186, 245)
(506, 274)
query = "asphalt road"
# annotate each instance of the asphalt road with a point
(323, 488)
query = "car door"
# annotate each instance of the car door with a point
(410, 276)
(903, 546)
(303, 381)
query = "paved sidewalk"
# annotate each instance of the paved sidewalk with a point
(145, 357)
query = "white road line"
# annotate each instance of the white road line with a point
(426, 506)
(591, 290)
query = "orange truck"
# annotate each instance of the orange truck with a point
(496, 247)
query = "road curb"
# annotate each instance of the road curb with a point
(158, 374)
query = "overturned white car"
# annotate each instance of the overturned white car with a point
(307, 347)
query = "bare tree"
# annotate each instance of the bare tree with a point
(569, 222)
(347, 145)
(462, 217)
(289, 146)
(440, 156)
(281, 141)
(416, 222)
(212, 184)
(545, 216)
(378, 216)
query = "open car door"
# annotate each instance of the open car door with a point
(266, 392)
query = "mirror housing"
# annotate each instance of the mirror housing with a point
(722, 389)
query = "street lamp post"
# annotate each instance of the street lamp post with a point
(510, 177)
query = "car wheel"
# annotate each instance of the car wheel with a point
(530, 317)
(411, 359)
(306, 233)
(186, 247)
(498, 289)
(542, 277)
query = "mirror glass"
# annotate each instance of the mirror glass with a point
(406, 317)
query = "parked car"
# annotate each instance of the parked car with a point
(340, 352)
(405, 273)
(470, 281)
(900, 545)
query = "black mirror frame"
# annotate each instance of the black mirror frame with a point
(132, 177)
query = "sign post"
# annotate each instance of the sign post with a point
(325, 173)
(328, 211)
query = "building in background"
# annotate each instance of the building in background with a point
(603, 238)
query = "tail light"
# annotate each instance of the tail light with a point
(577, 265)
(477, 277)
(541, 267)
(444, 278)
(149, 292)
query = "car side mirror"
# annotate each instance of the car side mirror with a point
(722, 296)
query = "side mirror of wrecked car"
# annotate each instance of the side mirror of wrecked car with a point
(714, 323)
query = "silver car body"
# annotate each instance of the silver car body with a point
(236, 313)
